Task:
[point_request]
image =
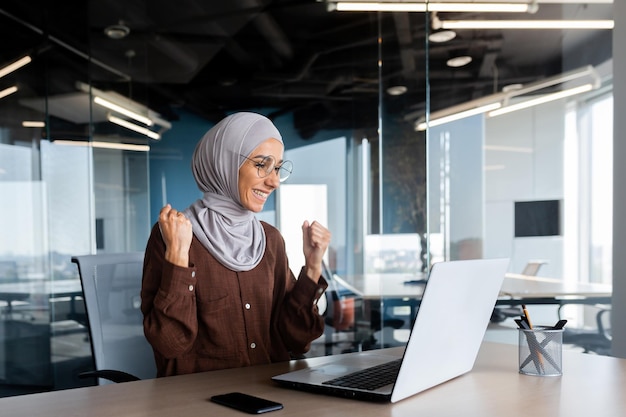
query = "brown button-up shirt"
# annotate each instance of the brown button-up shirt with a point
(207, 317)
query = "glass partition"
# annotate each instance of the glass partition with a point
(63, 194)
(528, 180)
(385, 221)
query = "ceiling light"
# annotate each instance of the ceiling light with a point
(541, 100)
(8, 91)
(459, 61)
(457, 116)
(122, 110)
(368, 6)
(15, 65)
(498, 167)
(396, 90)
(527, 24)
(125, 106)
(441, 36)
(119, 31)
(33, 123)
(376, 7)
(105, 145)
(134, 127)
(505, 148)
(500, 101)
(479, 7)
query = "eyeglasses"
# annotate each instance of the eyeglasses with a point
(267, 164)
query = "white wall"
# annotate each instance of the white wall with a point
(524, 162)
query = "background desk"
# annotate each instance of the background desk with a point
(393, 297)
(591, 385)
(538, 290)
(516, 287)
(24, 290)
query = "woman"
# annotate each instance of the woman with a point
(217, 290)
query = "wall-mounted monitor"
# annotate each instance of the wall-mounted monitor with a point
(537, 218)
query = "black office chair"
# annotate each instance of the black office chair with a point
(594, 340)
(111, 288)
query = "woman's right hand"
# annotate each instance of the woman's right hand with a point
(177, 233)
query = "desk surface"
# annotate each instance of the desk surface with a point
(590, 385)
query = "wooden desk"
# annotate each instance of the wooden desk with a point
(590, 385)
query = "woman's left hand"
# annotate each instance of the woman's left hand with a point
(315, 241)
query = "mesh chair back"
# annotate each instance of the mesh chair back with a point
(111, 287)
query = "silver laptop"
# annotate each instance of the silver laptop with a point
(449, 328)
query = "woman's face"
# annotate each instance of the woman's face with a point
(254, 190)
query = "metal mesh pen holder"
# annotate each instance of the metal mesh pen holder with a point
(541, 351)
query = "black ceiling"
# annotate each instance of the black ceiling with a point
(213, 57)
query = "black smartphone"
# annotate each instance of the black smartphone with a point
(248, 403)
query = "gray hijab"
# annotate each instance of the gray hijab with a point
(229, 231)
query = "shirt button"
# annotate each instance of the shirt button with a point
(252, 345)
(193, 274)
(247, 306)
(191, 288)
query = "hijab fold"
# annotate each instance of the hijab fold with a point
(229, 231)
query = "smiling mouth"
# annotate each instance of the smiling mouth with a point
(260, 194)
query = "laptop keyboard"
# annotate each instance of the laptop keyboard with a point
(369, 378)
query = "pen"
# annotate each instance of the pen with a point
(527, 316)
(532, 342)
(523, 324)
(532, 339)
